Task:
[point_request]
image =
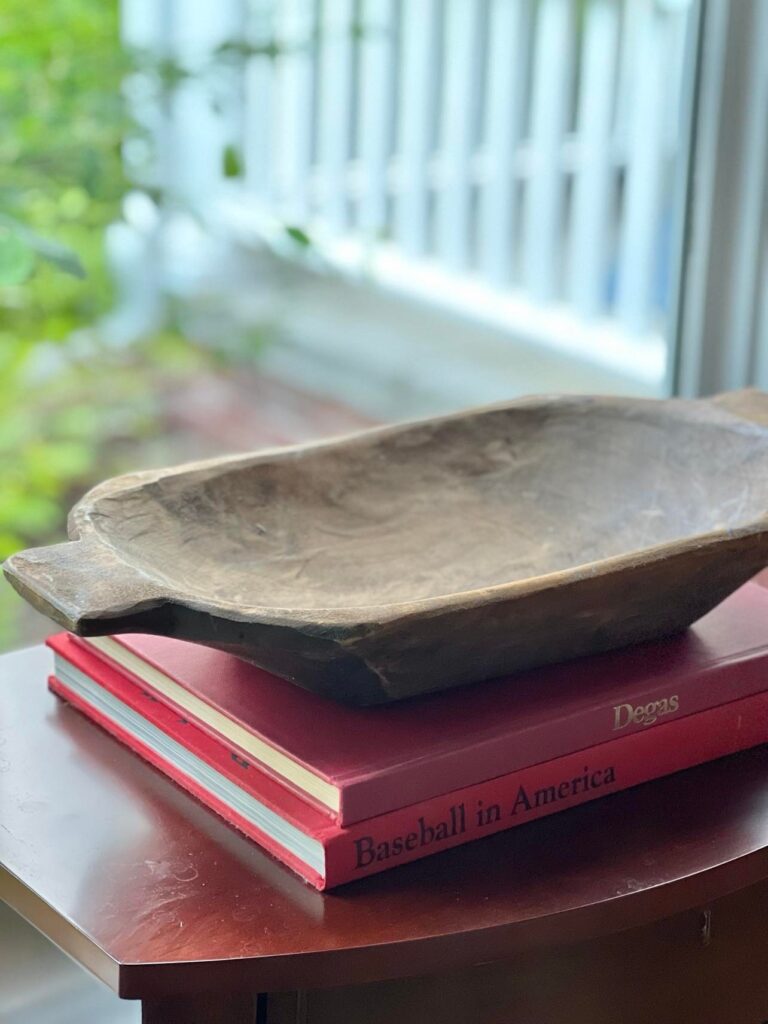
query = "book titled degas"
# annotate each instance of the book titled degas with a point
(644, 714)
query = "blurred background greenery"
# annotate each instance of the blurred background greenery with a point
(61, 182)
(82, 399)
(74, 406)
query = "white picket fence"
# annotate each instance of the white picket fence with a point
(521, 153)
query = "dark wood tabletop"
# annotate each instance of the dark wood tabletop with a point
(156, 895)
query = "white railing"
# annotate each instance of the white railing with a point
(518, 155)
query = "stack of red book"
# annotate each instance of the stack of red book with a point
(337, 793)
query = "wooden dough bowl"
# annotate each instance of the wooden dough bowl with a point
(431, 554)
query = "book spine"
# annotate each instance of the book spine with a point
(641, 712)
(220, 755)
(180, 777)
(502, 803)
(99, 665)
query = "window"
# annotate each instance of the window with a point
(498, 195)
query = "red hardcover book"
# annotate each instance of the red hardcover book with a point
(327, 854)
(361, 762)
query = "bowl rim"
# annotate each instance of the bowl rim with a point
(354, 620)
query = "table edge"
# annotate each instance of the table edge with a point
(429, 954)
(59, 930)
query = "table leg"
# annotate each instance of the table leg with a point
(200, 1009)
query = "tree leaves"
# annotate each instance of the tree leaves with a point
(298, 235)
(232, 162)
(17, 260)
(20, 245)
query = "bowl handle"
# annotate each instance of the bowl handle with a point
(748, 403)
(81, 584)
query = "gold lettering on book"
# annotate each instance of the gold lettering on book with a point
(644, 714)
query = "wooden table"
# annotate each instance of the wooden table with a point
(647, 906)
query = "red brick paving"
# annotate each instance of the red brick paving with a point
(235, 412)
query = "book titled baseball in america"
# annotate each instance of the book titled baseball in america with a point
(327, 854)
(338, 793)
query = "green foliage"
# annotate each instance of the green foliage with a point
(72, 409)
(232, 162)
(61, 183)
(298, 235)
(67, 402)
(28, 246)
(61, 175)
(17, 260)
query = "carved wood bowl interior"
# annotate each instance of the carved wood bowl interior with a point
(430, 554)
